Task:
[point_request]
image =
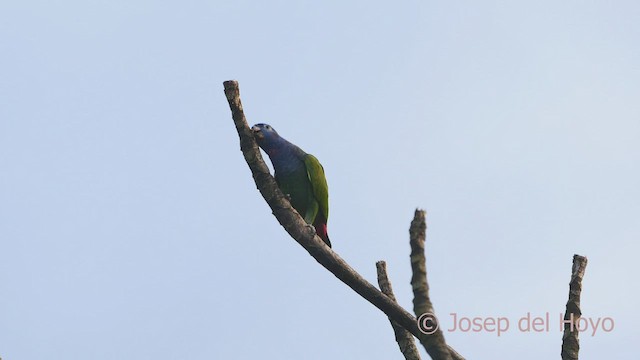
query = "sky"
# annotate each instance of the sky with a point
(130, 226)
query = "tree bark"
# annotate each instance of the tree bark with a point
(403, 337)
(570, 342)
(422, 306)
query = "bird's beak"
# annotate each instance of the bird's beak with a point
(257, 132)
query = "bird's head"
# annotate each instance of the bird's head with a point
(264, 134)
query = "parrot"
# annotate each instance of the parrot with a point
(299, 175)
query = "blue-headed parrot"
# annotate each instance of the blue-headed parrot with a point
(300, 176)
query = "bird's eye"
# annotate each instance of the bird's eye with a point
(268, 127)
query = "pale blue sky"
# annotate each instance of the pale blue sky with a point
(130, 227)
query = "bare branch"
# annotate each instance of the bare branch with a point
(303, 233)
(421, 302)
(403, 337)
(570, 342)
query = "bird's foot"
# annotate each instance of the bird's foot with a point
(311, 229)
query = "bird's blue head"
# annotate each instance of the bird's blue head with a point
(266, 136)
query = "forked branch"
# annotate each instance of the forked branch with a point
(305, 235)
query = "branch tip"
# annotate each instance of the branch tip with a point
(570, 341)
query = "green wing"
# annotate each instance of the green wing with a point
(315, 172)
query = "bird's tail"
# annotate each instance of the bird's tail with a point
(321, 230)
(326, 240)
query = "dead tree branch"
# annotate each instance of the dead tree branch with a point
(421, 302)
(570, 342)
(304, 234)
(403, 337)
